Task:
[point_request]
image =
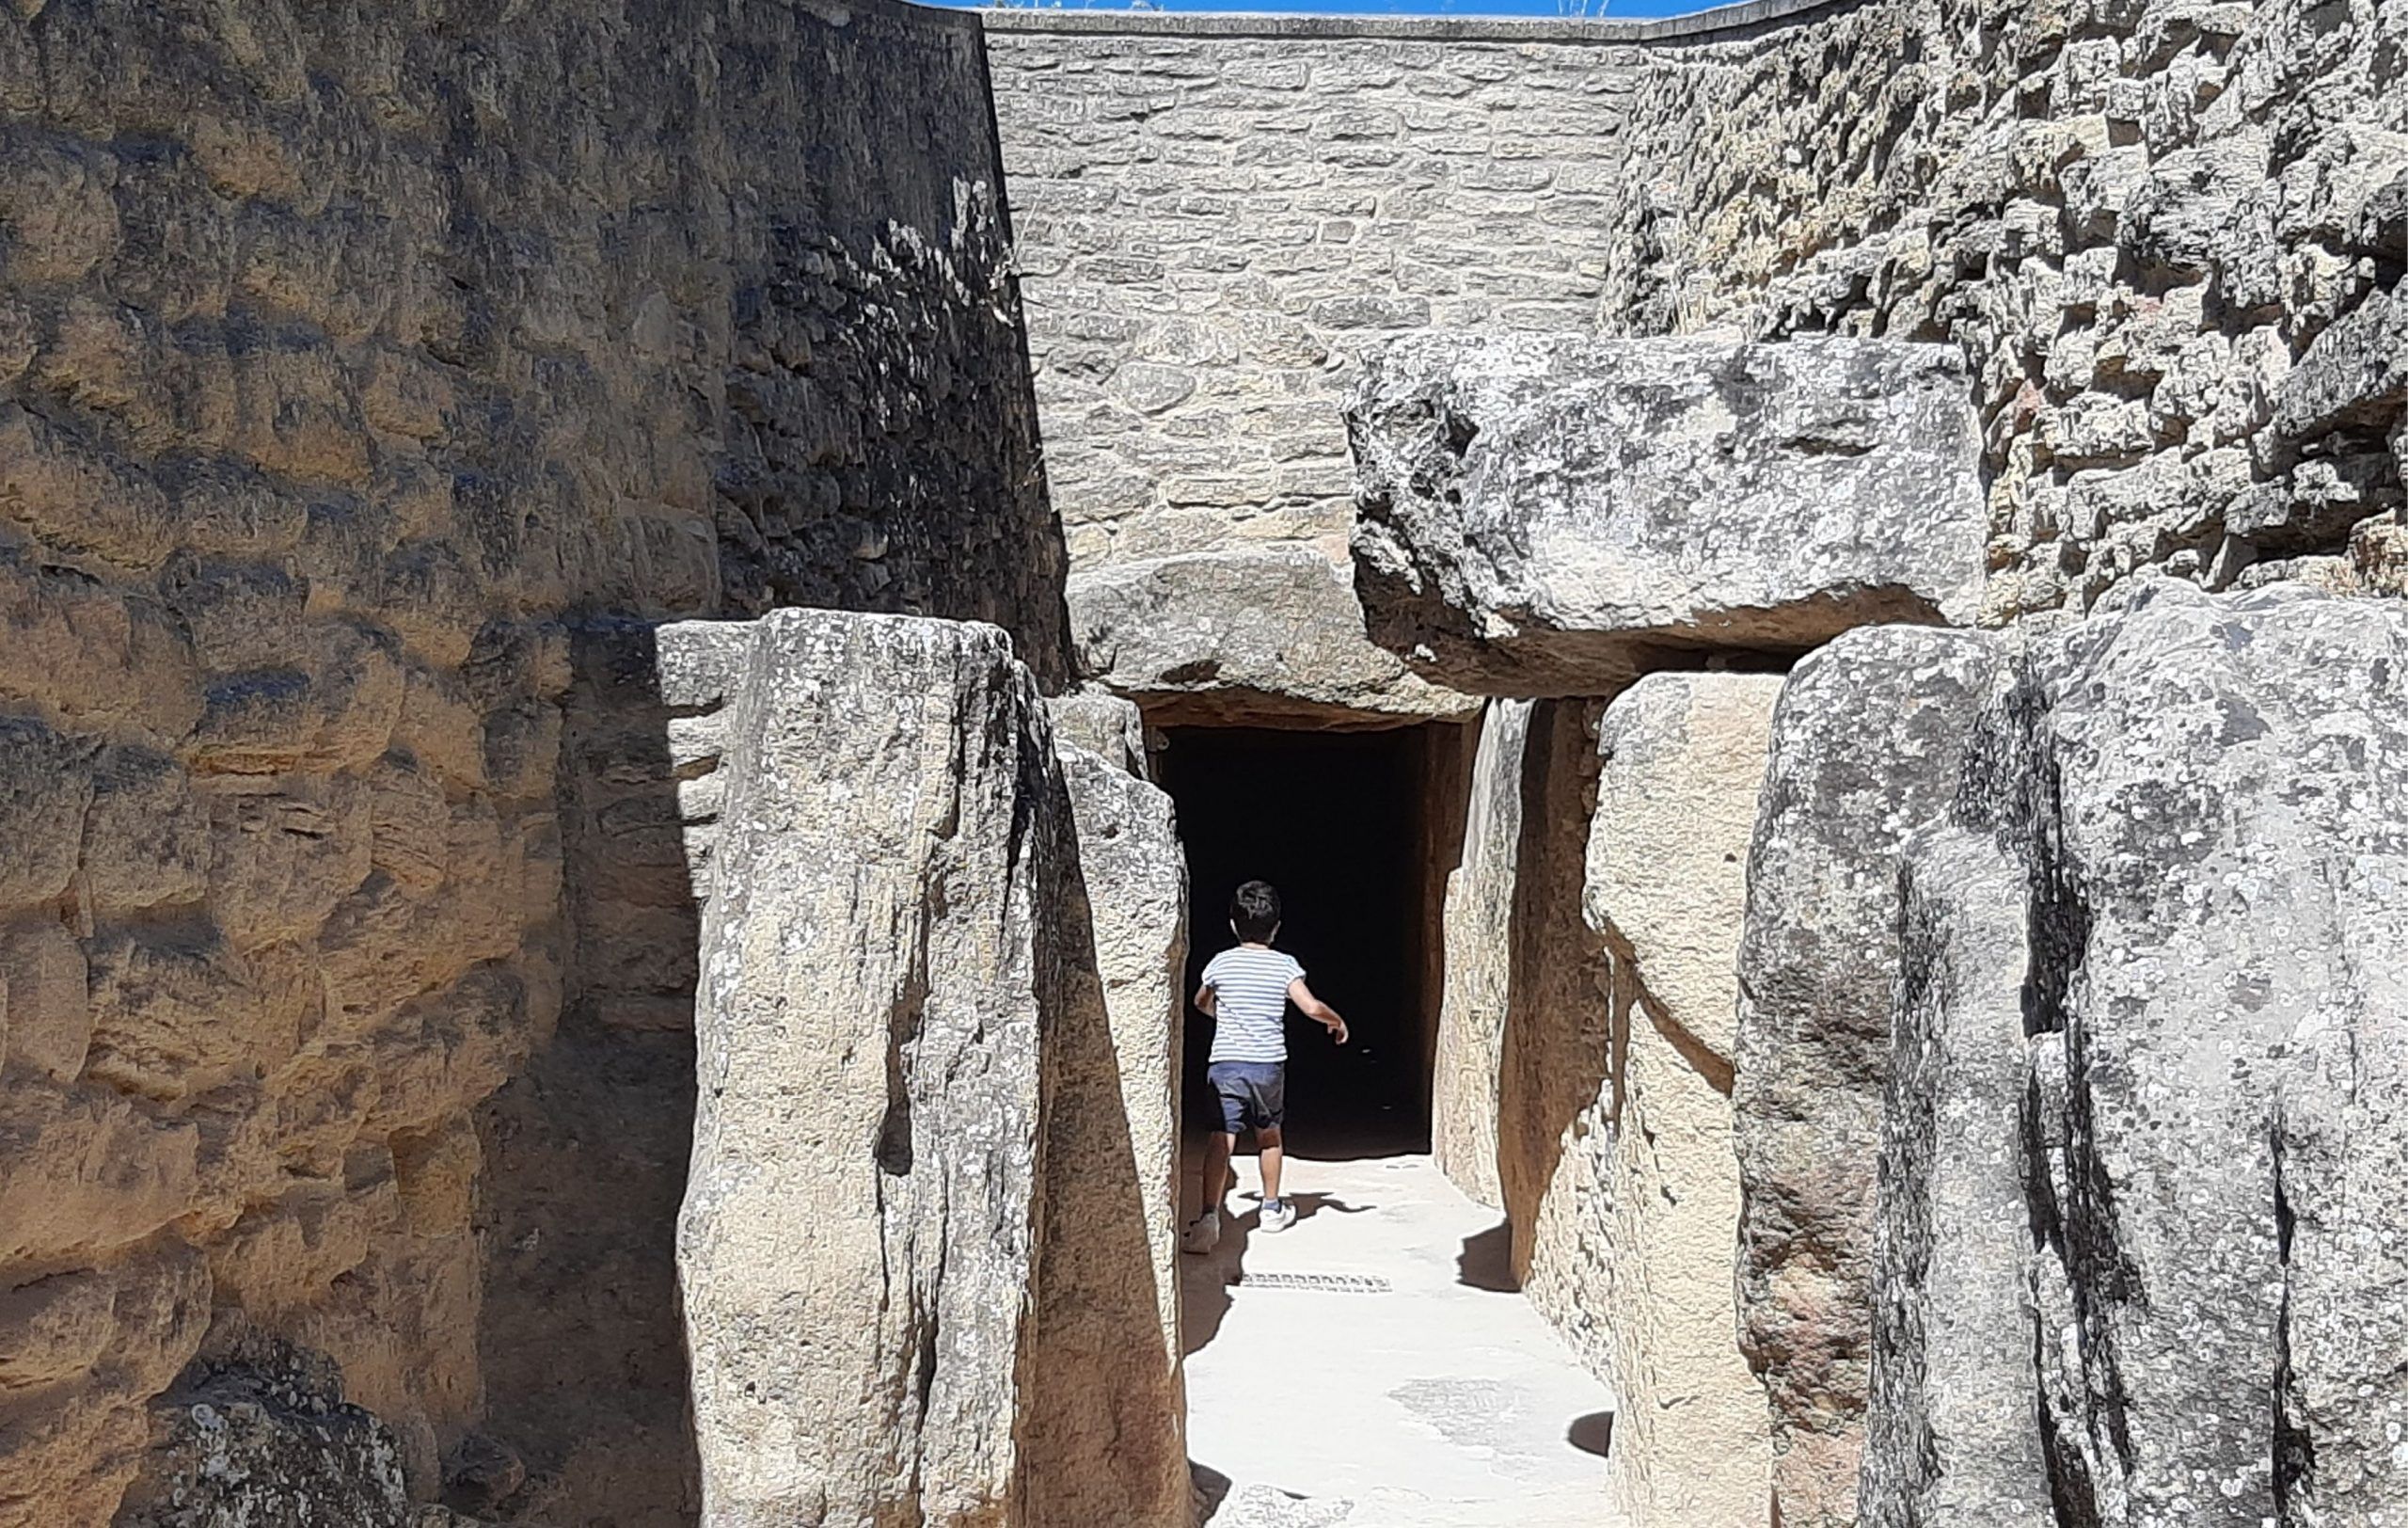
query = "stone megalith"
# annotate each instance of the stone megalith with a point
(1555, 514)
(1108, 1430)
(1950, 1420)
(879, 966)
(1478, 936)
(2202, 803)
(1868, 739)
(1252, 634)
(1682, 756)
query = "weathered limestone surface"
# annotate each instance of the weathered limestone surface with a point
(1264, 634)
(1867, 743)
(1472, 1010)
(1950, 1432)
(927, 1240)
(1106, 1427)
(344, 354)
(876, 976)
(1641, 1273)
(2199, 805)
(1557, 1050)
(1542, 514)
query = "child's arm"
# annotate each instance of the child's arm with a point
(1207, 1000)
(1317, 1011)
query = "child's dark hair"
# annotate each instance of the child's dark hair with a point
(1254, 911)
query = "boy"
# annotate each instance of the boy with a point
(1246, 992)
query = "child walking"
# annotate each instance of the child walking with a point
(1245, 991)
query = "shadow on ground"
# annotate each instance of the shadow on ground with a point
(1486, 1261)
(1591, 1433)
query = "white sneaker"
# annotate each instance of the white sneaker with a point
(1203, 1234)
(1277, 1215)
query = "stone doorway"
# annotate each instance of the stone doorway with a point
(1356, 830)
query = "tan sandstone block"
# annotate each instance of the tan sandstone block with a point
(282, 856)
(49, 1010)
(57, 208)
(175, 1012)
(45, 785)
(334, 707)
(68, 1449)
(146, 838)
(76, 498)
(82, 1170)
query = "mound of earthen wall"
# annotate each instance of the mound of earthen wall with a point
(344, 359)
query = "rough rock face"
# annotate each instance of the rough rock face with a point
(1106, 1428)
(344, 354)
(1541, 514)
(927, 1240)
(2197, 803)
(877, 971)
(1557, 1049)
(1264, 634)
(263, 1439)
(2167, 236)
(1867, 742)
(1478, 959)
(1949, 1424)
(1647, 1284)
(1105, 725)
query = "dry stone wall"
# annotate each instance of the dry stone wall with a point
(348, 357)
(2169, 236)
(1217, 215)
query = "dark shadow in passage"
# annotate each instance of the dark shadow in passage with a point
(1486, 1261)
(1591, 1433)
(1335, 822)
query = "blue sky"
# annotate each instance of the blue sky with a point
(1626, 8)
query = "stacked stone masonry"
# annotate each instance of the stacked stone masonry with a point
(2168, 237)
(350, 357)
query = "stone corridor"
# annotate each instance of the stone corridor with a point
(1443, 1401)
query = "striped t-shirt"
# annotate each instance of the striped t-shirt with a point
(1250, 1003)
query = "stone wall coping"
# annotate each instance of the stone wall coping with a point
(1704, 24)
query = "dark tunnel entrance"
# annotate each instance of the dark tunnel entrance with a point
(1358, 830)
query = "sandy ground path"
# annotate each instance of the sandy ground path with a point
(1317, 1396)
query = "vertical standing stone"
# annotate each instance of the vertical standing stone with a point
(1555, 1053)
(879, 966)
(1867, 743)
(1106, 1431)
(1681, 758)
(1471, 1014)
(1952, 1433)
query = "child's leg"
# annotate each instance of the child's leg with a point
(1217, 1173)
(1267, 1140)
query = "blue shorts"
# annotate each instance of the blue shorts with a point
(1253, 1094)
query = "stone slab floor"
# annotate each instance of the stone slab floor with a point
(1444, 1402)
